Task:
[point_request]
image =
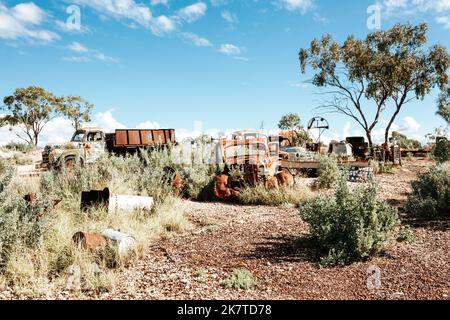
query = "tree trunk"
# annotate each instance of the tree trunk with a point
(36, 139)
(388, 128)
(369, 138)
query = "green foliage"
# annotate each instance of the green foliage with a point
(328, 173)
(197, 179)
(387, 67)
(404, 142)
(352, 226)
(444, 105)
(239, 279)
(405, 235)
(20, 223)
(260, 195)
(441, 151)
(430, 198)
(33, 108)
(290, 121)
(380, 167)
(19, 147)
(77, 110)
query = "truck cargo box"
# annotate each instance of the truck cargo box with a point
(140, 138)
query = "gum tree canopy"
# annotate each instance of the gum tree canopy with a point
(77, 110)
(386, 69)
(30, 108)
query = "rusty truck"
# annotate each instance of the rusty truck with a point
(89, 144)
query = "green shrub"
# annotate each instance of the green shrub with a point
(380, 167)
(239, 279)
(19, 147)
(405, 235)
(328, 173)
(352, 226)
(260, 195)
(441, 151)
(197, 180)
(20, 223)
(430, 198)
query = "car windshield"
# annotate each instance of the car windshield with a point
(245, 150)
(78, 136)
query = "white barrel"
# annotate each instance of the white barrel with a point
(125, 243)
(129, 203)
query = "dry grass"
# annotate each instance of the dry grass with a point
(260, 195)
(52, 264)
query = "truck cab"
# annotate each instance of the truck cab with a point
(88, 135)
(86, 146)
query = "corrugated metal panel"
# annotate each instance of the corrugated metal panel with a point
(134, 137)
(159, 136)
(121, 137)
(147, 138)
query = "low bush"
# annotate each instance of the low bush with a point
(19, 147)
(328, 173)
(352, 226)
(380, 167)
(430, 198)
(260, 195)
(405, 235)
(197, 180)
(441, 151)
(239, 279)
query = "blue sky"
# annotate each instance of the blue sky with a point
(209, 65)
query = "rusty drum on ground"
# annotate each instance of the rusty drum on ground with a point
(115, 203)
(126, 244)
(89, 241)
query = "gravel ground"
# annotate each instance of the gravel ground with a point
(267, 241)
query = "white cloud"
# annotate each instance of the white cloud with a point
(230, 49)
(22, 21)
(87, 54)
(77, 47)
(302, 6)
(76, 59)
(229, 17)
(28, 13)
(410, 124)
(156, 2)
(148, 125)
(120, 9)
(107, 121)
(196, 39)
(193, 12)
(217, 3)
(395, 7)
(444, 21)
(162, 25)
(56, 131)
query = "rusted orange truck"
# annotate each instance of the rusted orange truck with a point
(89, 144)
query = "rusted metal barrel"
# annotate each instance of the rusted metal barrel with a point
(114, 202)
(126, 244)
(89, 241)
(129, 203)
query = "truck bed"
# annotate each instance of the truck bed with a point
(134, 139)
